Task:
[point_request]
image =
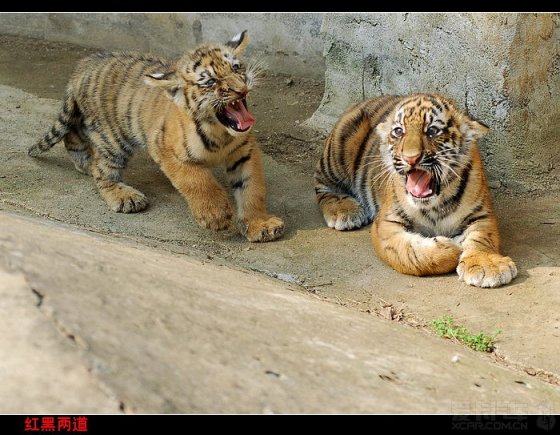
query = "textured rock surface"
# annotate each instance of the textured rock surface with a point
(42, 371)
(502, 68)
(165, 333)
(289, 43)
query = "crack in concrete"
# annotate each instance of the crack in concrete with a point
(39, 296)
(31, 210)
(411, 320)
(76, 340)
(542, 375)
(359, 21)
(407, 46)
(498, 358)
(124, 408)
(63, 329)
(441, 29)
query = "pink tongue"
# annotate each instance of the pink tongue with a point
(418, 183)
(238, 113)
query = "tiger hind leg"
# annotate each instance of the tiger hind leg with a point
(341, 211)
(80, 151)
(106, 167)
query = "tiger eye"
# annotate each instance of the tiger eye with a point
(397, 132)
(433, 131)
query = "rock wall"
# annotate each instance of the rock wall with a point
(504, 69)
(289, 43)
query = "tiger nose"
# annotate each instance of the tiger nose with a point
(412, 159)
(243, 91)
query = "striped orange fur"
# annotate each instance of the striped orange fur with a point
(411, 164)
(190, 113)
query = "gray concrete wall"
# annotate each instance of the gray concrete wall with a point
(289, 43)
(502, 68)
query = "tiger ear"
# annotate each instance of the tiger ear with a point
(471, 129)
(474, 130)
(161, 79)
(167, 80)
(239, 42)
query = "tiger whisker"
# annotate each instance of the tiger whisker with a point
(379, 176)
(383, 176)
(446, 165)
(387, 178)
(374, 163)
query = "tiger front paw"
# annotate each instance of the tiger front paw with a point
(124, 199)
(215, 215)
(262, 229)
(345, 214)
(484, 269)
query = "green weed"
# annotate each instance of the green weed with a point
(446, 327)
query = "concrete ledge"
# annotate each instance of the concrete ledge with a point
(165, 333)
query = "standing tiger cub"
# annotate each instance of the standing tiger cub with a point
(191, 114)
(413, 164)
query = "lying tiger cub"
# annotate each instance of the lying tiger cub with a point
(413, 164)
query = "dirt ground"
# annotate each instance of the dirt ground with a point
(338, 267)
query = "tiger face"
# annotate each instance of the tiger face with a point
(427, 142)
(212, 83)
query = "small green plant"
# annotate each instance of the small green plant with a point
(446, 327)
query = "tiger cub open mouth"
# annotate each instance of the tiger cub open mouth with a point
(236, 116)
(420, 184)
